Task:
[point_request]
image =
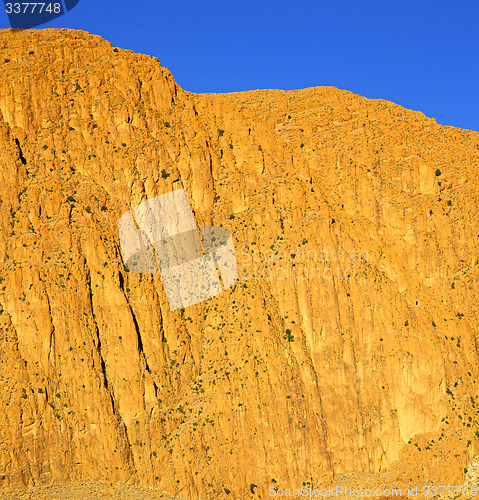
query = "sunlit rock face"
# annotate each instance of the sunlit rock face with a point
(344, 353)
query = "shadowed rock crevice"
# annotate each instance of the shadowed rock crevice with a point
(141, 350)
(97, 340)
(20, 152)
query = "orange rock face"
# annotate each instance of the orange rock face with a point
(345, 354)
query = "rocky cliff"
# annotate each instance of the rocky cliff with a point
(347, 351)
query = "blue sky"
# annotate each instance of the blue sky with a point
(422, 55)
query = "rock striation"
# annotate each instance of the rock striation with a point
(345, 354)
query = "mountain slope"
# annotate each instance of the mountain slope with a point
(349, 343)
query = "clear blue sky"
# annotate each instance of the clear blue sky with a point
(421, 54)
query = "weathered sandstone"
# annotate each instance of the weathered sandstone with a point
(356, 364)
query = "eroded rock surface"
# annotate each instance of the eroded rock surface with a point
(347, 346)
